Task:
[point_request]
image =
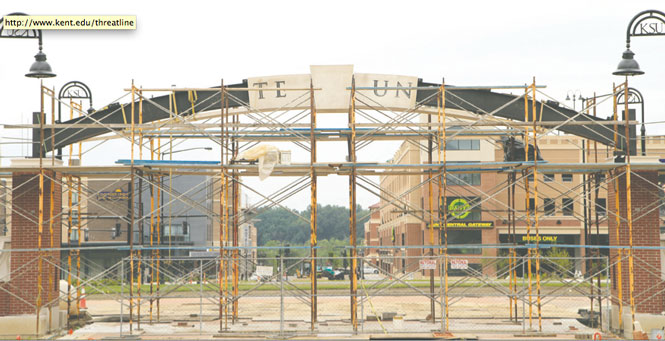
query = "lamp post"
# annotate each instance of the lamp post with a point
(40, 68)
(577, 94)
(646, 23)
(73, 90)
(635, 97)
(184, 150)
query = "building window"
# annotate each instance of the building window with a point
(532, 205)
(75, 198)
(463, 145)
(567, 207)
(466, 179)
(601, 178)
(74, 236)
(601, 206)
(548, 177)
(459, 237)
(549, 206)
(567, 177)
(75, 217)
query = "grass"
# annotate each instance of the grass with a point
(304, 284)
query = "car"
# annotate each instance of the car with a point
(332, 274)
(370, 270)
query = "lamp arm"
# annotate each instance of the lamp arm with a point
(651, 13)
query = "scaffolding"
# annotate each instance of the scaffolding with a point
(241, 126)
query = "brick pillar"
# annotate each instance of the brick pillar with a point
(648, 294)
(25, 215)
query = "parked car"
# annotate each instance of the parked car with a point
(370, 270)
(332, 274)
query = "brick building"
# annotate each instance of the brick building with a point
(561, 201)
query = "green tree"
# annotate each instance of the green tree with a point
(559, 265)
(284, 225)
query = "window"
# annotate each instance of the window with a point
(531, 178)
(567, 177)
(75, 198)
(466, 179)
(74, 236)
(459, 237)
(601, 178)
(567, 207)
(463, 145)
(75, 217)
(601, 206)
(532, 205)
(548, 177)
(549, 206)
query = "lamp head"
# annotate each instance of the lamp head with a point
(628, 66)
(40, 68)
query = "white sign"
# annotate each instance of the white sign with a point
(427, 264)
(264, 271)
(459, 264)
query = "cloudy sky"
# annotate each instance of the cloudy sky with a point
(566, 45)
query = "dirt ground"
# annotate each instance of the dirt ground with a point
(259, 316)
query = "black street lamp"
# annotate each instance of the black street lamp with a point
(73, 90)
(646, 23)
(635, 97)
(577, 94)
(40, 68)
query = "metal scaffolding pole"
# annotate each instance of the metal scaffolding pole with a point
(352, 208)
(40, 227)
(314, 210)
(618, 213)
(535, 199)
(629, 208)
(443, 204)
(132, 219)
(431, 215)
(527, 203)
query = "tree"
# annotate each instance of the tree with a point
(284, 225)
(558, 262)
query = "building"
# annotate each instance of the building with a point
(102, 215)
(371, 228)
(561, 202)
(247, 240)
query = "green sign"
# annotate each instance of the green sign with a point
(459, 208)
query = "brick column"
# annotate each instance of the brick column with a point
(25, 215)
(648, 294)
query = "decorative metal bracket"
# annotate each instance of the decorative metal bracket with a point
(19, 33)
(646, 23)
